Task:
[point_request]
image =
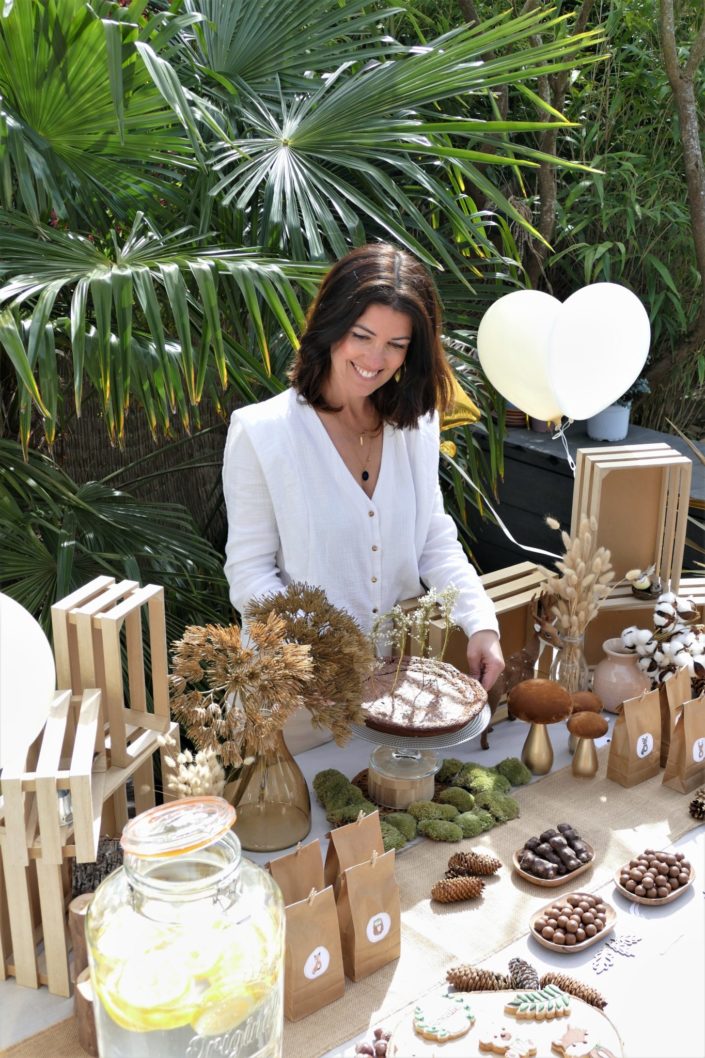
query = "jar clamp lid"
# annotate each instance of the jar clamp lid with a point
(177, 827)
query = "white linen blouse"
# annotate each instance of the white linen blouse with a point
(296, 513)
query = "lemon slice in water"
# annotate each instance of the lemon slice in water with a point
(217, 1016)
(151, 994)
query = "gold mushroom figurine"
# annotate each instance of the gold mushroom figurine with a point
(584, 702)
(539, 702)
(586, 726)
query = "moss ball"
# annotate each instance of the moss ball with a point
(391, 837)
(501, 806)
(431, 810)
(515, 771)
(404, 823)
(333, 789)
(478, 779)
(456, 795)
(440, 830)
(349, 813)
(449, 769)
(469, 824)
(486, 819)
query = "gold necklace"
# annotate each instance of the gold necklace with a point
(365, 463)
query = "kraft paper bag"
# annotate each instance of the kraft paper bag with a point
(369, 916)
(298, 872)
(672, 694)
(635, 750)
(685, 767)
(352, 844)
(313, 960)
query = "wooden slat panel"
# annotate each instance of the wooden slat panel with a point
(86, 827)
(24, 959)
(47, 770)
(51, 899)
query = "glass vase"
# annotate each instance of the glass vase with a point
(569, 667)
(271, 799)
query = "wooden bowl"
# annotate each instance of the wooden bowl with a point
(649, 901)
(552, 883)
(566, 949)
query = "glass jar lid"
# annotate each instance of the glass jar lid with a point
(177, 827)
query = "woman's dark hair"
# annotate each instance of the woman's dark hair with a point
(378, 274)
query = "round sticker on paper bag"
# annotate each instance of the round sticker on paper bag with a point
(699, 750)
(317, 963)
(378, 927)
(644, 744)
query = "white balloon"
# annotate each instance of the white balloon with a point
(597, 347)
(512, 343)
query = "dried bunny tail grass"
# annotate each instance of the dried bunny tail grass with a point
(582, 579)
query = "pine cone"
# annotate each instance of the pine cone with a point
(467, 978)
(449, 890)
(523, 975)
(697, 807)
(575, 988)
(473, 863)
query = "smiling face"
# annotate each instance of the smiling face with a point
(369, 354)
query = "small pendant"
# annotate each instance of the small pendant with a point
(365, 475)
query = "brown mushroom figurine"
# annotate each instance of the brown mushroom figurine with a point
(539, 702)
(584, 701)
(586, 727)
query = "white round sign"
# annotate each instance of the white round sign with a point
(27, 679)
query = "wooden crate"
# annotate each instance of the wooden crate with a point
(97, 736)
(639, 496)
(36, 851)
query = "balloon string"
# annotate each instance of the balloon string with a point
(560, 433)
(471, 483)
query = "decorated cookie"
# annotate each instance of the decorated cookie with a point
(501, 1040)
(579, 1043)
(443, 1018)
(541, 1004)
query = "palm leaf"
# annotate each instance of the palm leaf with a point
(165, 350)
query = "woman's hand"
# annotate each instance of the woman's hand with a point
(485, 659)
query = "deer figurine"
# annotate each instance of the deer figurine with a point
(521, 665)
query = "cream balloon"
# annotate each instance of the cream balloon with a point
(597, 347)
(512, 343)
(27, 680)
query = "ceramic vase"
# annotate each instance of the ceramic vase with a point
(271, 799)
(617, 676)
(610, 424)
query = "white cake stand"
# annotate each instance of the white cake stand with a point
(402, 768)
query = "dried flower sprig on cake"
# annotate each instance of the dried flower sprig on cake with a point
(392, 630)
(341, 654)
(585, 577)
(233, 698)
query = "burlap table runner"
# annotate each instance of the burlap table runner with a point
(617, 822)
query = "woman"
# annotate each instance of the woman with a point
(335, 481)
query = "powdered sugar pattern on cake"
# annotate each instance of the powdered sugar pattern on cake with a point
(420, 696)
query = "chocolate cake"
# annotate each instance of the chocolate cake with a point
(420, 696)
